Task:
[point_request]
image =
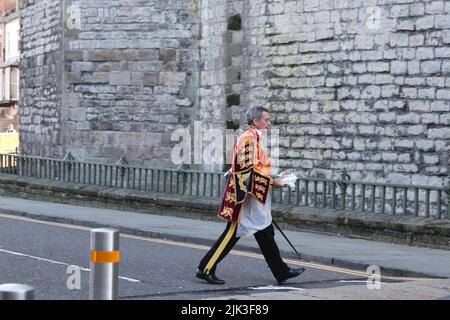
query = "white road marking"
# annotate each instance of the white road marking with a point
(277, 288)
(60, 263)
(356, 281)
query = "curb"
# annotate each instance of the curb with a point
(337, 262)
(397, 229)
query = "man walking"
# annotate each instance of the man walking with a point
(246, 205)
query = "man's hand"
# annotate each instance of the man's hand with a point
(278, 184)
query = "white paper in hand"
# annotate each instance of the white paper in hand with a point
(289, 179)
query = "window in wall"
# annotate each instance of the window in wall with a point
(8, 48)
(2, 86)
(14, 83)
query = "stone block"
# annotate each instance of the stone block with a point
(172, 79)
(430, 67)
(439, 133)
(168, 55)
(73, 77)
(442, 21)
(120, 78)
(378, 66)
(428, 93)
(425, 23)
(104, 55)
(416, 40)
(399, 40)
(398, 67)
(443, 94)
(425, 54)
(97, 77)
(82, 66)
(151, 79)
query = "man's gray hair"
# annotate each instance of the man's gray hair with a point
(254, 113)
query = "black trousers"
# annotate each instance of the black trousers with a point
(228, 239)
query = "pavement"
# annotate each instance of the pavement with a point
(393, 259)
(410, 290)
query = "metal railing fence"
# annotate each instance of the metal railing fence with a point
(342, 194)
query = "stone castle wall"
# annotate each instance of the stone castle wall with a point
(127, 78)
(41, 72)
(361, 85)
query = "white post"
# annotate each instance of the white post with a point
(105, 257)
(16, 291)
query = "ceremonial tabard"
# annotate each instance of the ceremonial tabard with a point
(246, 199)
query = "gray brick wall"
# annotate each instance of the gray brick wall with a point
(361, 85)
(129, 73)
(41, 71)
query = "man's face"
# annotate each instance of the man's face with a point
(264, 122)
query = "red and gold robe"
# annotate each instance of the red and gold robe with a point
(250, 174)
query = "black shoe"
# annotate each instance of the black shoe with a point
(293, 272)
(210, 278)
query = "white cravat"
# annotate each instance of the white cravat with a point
(254, 216)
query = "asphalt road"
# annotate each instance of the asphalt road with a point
(38, 254)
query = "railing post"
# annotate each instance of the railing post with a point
(343, 185)
(123, 163)
(105, 257)
(68, 160)
(21, 162)
(448, 199)
(184, 182)
(16, 291)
